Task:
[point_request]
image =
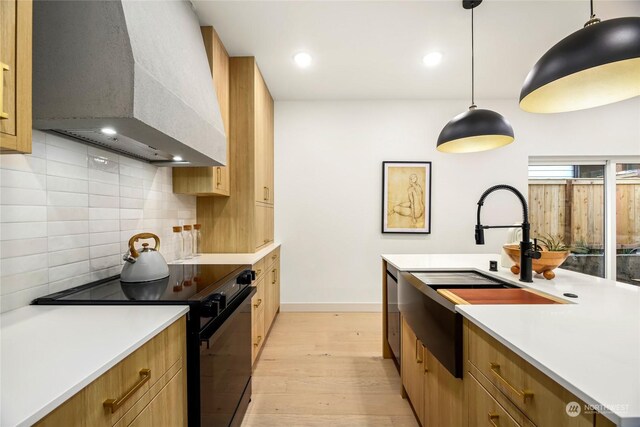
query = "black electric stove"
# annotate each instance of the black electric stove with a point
(218, 330)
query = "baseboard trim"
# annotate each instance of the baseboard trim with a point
(331, 307)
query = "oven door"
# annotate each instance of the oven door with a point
(225, 368)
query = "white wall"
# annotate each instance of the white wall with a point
(328, 158)
(67, 211)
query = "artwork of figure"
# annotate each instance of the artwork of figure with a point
(406, 197)
(414, 206)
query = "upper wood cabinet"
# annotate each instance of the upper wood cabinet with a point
(243, 222)
(210, 181)
(263, 141)
(15, 76)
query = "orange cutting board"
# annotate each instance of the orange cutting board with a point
(498, 296)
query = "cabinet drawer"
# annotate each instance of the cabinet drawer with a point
(259, 267)
(483, 408)
(540, 398)
(273, 257)
(135, 377)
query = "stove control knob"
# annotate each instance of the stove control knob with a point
(209, 308)
(221, 300)
(246, 277)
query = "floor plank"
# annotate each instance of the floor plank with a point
(320, 369)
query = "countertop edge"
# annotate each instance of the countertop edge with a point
(227, 258)
(55, 403)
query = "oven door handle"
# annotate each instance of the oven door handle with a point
(219, 324)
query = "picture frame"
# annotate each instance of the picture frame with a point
(406, 197)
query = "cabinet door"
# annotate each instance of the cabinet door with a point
(15, 76)
(273, 297)
(167, 408)
(264, 225)
(413, 370)
(269, 154)
(260, 140)
(257, 319)
(444, 394)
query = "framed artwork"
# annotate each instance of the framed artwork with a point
(406, 197)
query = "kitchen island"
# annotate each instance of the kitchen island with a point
(590, 346)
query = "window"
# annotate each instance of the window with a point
(628, 222)
(566, 203)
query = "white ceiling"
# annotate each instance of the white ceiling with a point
(374, 49)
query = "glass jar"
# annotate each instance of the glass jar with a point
(187, 238)
(197, 239)
(178, 244)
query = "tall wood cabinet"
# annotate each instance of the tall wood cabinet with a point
(210, 181)
(15, 76)
(243, 222)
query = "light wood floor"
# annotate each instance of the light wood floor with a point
(326, 369)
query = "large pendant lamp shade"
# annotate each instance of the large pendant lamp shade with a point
(597, 65)
(476, 129)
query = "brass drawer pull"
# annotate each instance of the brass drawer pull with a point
(115, 404)
(218, 177)
(418, 358)
(521, 394)
(258, 304)
(275, 276)
(3, 67)
(257, 343)
(259, 272)
(493, 419)
(265, 194)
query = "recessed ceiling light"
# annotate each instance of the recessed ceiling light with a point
(108, 131)
(432, 59)
(177, 158)
(302, 59)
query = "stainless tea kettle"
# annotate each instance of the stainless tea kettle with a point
(144, 265)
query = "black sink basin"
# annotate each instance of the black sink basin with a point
(433, 317)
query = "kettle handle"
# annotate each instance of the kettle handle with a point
(138, 236)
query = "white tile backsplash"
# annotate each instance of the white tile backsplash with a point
(68, 210)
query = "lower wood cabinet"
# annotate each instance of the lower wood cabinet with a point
(514, 392)
(147, 388)
(265, 304)
(436, 395)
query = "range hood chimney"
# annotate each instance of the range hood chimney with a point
(130, 76)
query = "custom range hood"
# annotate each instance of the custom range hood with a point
(129, 76)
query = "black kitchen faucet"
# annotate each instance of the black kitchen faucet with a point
(527, 250)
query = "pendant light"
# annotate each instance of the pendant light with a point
(476, 129)
(597, 65)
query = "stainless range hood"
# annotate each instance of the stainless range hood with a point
(130, 76)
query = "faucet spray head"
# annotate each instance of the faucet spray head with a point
(479, 234)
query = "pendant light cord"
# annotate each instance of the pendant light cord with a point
(473, 89)
(592, 18)
(593, 15)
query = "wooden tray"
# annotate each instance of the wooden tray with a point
(498, 296)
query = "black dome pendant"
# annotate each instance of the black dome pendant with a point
(477, 129)
(597, 65)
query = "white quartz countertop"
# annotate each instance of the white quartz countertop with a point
(231, 258)
(49, 353)
(591, 347)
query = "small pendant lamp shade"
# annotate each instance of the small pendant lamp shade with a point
(597, 65)
(475, 130)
